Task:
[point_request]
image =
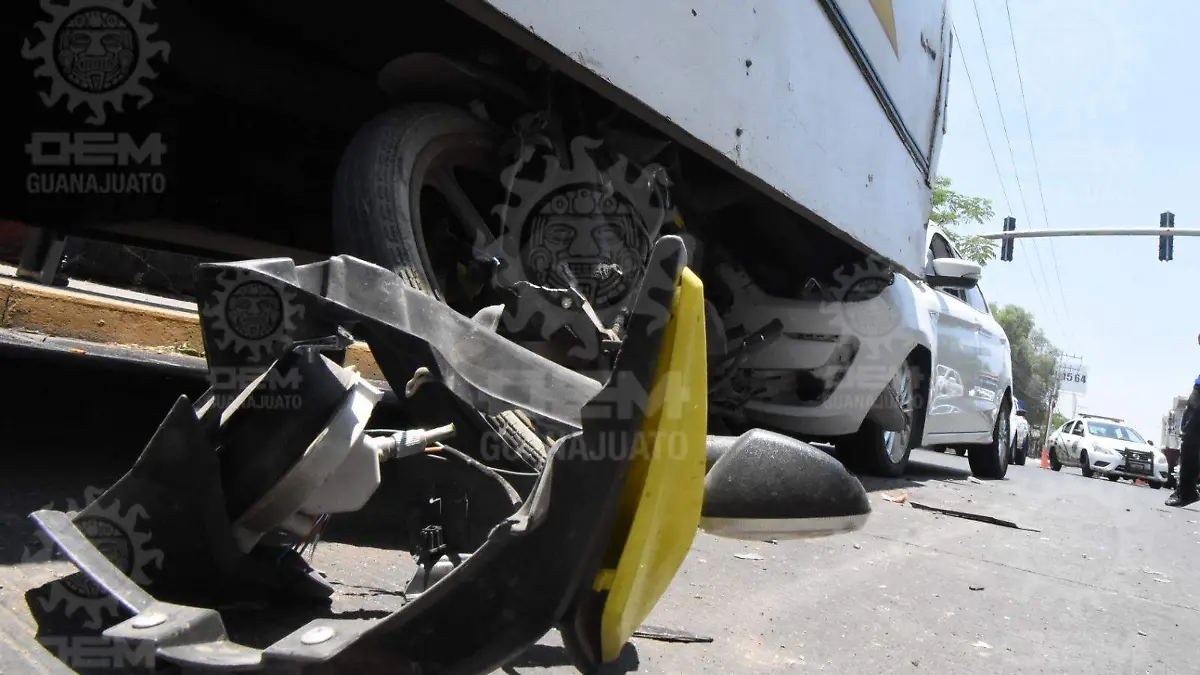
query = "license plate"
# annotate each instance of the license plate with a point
(1139, 467)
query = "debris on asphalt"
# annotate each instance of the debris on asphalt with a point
(982, 645)
(669, 635)
(915, 662)
(772, 541)
(748, 556)
(896, 496)
(77, 351)
(991, 520)
(1147, 570)
(857, 546)
(1142, 633)
(976, 588)
(973, 479)
(1162, 580)
(1085, 556)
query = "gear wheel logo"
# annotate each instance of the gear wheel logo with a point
(855, 307)
(96, 52)
(596, 224)
(115, 533)
(254, 314)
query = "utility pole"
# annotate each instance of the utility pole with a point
(1053, 391)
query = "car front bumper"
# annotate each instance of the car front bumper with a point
(1108, 463)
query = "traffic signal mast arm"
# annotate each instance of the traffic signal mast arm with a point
(1165, 232)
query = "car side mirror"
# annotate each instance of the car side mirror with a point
(954, 273)
(763, 485)
(1150, 443)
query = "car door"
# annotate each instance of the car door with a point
(1075, 440)
(956, 330)
(991, 361)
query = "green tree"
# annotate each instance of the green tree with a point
(1032, 360)
(952, 210)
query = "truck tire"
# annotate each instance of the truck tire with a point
(991, 461)
(377, 209)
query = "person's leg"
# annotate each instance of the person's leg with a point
(1189, 454)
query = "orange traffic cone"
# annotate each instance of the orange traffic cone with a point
(1045, 457)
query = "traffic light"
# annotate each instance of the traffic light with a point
(1166, 243)
(1006, 246)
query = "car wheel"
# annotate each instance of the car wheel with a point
(1085, 466)
(878, 452)
(400, 202)
(1020, 454)
(1157, 485)
(991, 461)
(1113, 478)
(1055, 464)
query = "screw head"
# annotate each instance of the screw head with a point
(149, 620)
(317, 635)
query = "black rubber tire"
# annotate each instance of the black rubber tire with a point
(1020, 454)
(1155, 485)
(1113, 478)
(866, 450)
(1055, 464)
(991, 461)
(1085, 467)
(376, 204)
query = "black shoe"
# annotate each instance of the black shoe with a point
(1182, 498)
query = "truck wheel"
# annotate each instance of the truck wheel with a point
(877, 452)
(991, 460)
(405, 198)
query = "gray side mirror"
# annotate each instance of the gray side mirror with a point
(763, 485)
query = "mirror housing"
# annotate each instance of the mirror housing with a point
(954, 273)
(763, 485)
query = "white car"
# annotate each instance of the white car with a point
(879, 363)
(1108, 447)
(1020, 435)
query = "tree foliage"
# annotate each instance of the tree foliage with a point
(1032, 361)
(952, 210)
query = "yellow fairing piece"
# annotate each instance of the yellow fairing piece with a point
(660, 507)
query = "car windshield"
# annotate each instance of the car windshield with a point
(1115, 431)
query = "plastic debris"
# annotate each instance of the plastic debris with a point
(748, 556)
(982, 645)
(669, 635)
(896, 496)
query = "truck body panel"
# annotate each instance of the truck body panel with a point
(835, 108)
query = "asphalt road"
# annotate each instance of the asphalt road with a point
(1101, 587)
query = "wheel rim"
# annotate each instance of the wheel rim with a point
(1002, 436)
(896, 442)
(450, 226)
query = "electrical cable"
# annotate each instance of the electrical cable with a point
(1012, 157)
(1037, 170)
(493, 473)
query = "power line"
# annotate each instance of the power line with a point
(1037, 170)
(1008, 140)
(995, 162)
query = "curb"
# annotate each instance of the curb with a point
(82, 316)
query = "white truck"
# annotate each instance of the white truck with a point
(526, 152)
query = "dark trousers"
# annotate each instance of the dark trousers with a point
(1189, 450)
